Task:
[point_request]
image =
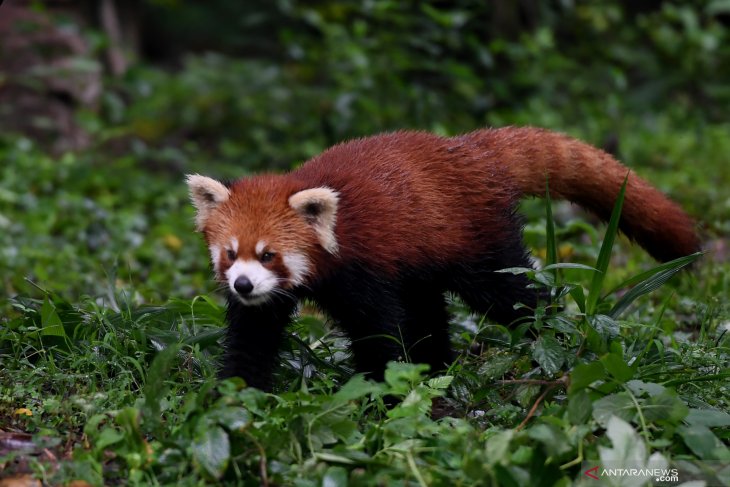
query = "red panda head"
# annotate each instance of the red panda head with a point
(262, 232)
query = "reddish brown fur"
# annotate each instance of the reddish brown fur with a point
(416, 215)
(417, 198)
(592, 178)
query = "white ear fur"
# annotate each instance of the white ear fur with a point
(206, 194)
(319, 207)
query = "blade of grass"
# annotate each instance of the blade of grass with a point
(631, 281)
(652, 283)
(552, 251)
(604, 256)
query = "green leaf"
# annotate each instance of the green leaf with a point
(579, 297)
(335, 477)
(155, 389)
(617, 367)
(604, 256)
(700, 440)
(562, 324)
(549, 354)
(496, 365)
(628, 450)
(584, 375)
(665, 407)
(498, 446)
(108, 436)
(231, 418)
(653, 280)
(553, 439)
(619, 405)
(633, 280)
(552, 246)
(580, 407)
(128, 420)
(639, 388)
(51, 322)
(441, 382)
(708, 417)
(568, 265)
(355, 388)
(604, 326)
(212, 451)
(402, 376)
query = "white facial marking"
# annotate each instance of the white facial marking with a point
(260, 246)
(264, 281)
(215, 256)
(234, 244)
(298, 266)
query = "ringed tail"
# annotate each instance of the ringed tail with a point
(590, 177)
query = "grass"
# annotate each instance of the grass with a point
(109, 346)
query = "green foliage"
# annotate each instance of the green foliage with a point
(625, 362)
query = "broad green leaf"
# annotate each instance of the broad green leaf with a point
(665, 407)
(617, 367)
(51, 322)
(619, 405)
(498, 446)
(441, 382)
(335, 477)
(700, 440)
(639, 388)
(579, 297)
(580, 407)
(549, 354)
(561, 323)
(554, 440)
(108, 436)
(402, 376)
(628, 451)
(355, 388)
(584, 375)
(212, 451)
(708, 417)
(604, 326)
(496, 365)
(231, 418)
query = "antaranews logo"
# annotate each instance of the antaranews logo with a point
(592, 475)
(656, 474)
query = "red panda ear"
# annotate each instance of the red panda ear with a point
(206, 194)
(319, 207)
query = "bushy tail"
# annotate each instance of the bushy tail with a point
(592, 178)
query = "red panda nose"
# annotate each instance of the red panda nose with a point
(243, 285)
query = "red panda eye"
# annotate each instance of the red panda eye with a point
(231, 254)
(267, 257)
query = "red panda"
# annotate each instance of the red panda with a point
(376, 230)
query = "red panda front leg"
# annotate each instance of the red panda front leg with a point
(369, 308)
(253, 339)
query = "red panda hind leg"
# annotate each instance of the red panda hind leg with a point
(388, 319)
(496, 293)
(426, 324)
